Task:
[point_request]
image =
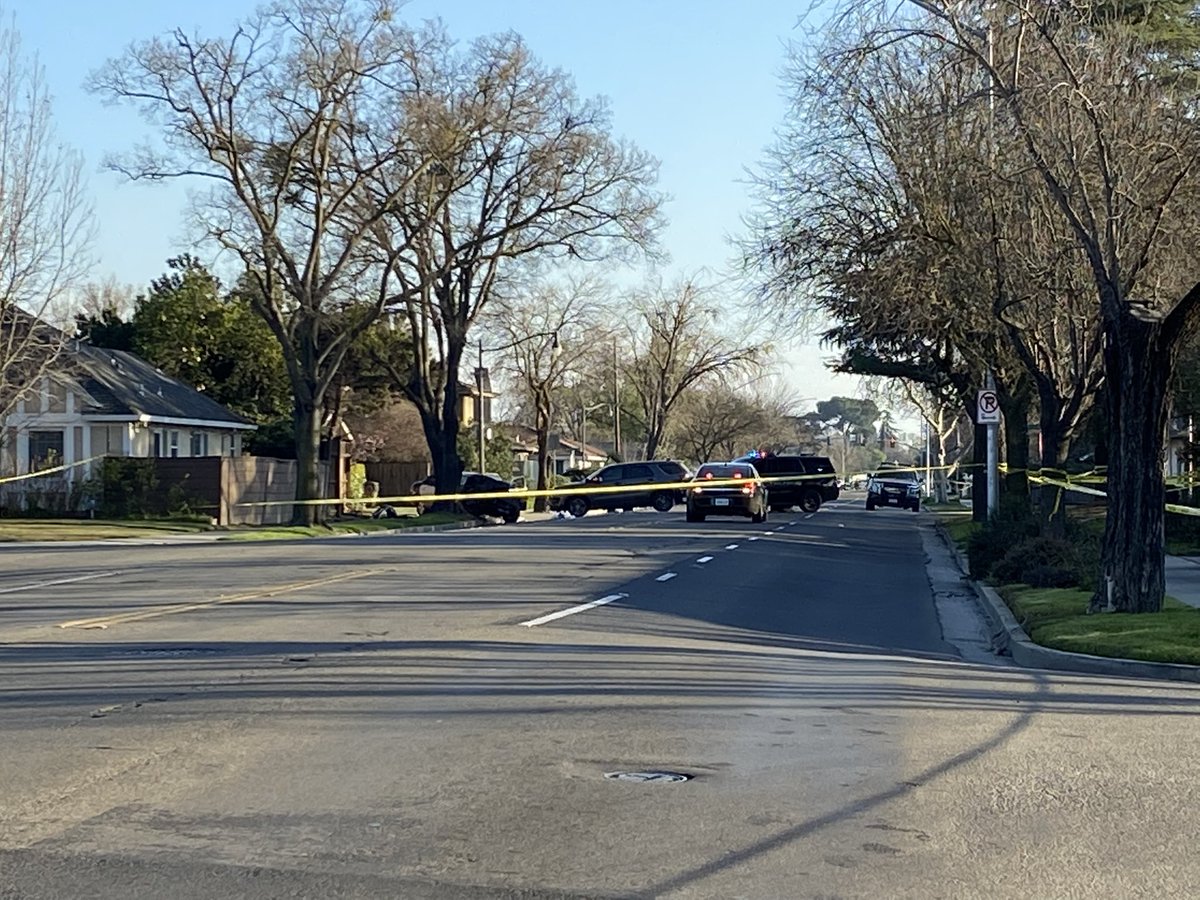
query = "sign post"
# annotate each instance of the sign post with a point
(987, 412)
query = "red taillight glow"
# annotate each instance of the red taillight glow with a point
(748, 489)
(697, 490)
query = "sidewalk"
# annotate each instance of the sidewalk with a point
(1183, 579)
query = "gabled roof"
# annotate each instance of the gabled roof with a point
(118, 383)
(527, 437)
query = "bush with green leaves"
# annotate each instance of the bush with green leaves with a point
(1012, 524)
(1039, 561)
(127, 488)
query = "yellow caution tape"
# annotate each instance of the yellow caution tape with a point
(574, 490)
(52, 471)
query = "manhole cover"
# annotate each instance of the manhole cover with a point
(648, 777)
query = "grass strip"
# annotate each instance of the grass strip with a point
(1058, 618)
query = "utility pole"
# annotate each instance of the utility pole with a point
(479, 407)
(616, 406)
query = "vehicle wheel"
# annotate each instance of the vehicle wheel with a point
(663, 502)
(577, 507)
(870, 506)
(810, 502)
(916, 507)
(695, 517)
(512, 514)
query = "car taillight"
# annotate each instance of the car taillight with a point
(748, 489)
(697, 490)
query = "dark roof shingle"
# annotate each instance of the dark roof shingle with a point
(122, 384)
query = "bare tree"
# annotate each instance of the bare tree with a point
(106, 296)
(679, 343)
(550, 336)
(1117, 150)
(527, 172)
(292, 123)
(45, 225)
(720, 420)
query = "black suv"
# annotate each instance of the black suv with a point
(894, 487)
(643, 480)
(818, 484)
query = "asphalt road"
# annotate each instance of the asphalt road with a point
(435, 716)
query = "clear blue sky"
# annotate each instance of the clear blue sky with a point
(695, 83)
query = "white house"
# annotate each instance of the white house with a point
(565, 454)
(95, 402)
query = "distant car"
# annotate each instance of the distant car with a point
(816, 480)
(627, 486)
(429, 487)
(898, 487)
(746, 497)
(500, 507)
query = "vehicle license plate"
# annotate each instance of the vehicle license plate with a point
(721, 501)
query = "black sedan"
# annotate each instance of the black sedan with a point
(738, 491)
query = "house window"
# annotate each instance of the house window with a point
(45, 450)
(174, 444)
(158, 444)
(107, 440)
(199, 443)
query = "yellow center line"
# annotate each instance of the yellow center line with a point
(154, 612)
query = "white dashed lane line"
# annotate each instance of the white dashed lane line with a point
(731, 546)
(667, 577)
(755, 538)
(780, 528)
(582, 607)
(57, 581)
(704, 559)
(810, 515)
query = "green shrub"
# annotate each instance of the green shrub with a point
(127, 488)
(1039, 561)
(1013, 523)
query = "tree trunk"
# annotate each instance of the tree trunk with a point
(1138, 361)
(307, 416)
(940, 478)
(543, 454)
(1055, 448)
(1015, 405)
(653, 437)
(443, 450)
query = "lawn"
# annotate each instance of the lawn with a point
(343, 526)
(1056, 617)
(957, 522)
(96, 529)
(14, 530)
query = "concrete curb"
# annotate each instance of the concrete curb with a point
(1010, 638)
